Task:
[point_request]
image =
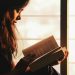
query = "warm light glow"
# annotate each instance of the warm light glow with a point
(35, 30)
(71, 29)
(39, 27)
(42, 7)
(71, 7)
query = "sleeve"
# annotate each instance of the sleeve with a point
(22, 65)
(6, 66)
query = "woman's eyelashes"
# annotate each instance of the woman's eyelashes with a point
(18, 17)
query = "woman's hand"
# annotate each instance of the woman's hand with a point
(65, 51)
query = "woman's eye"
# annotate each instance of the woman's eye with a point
(18, 17)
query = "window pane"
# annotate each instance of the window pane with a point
(71, 50)
(39, 27)
(71, 7)
(71, 45)
(71, 27)
(42, 7)
(71, 69)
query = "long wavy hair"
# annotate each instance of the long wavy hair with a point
(7, 28)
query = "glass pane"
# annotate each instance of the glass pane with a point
(71, 69)
(71, 7)
(71, 50)
(71, 27)
(39, 27)
(71, 45)
(42, 7)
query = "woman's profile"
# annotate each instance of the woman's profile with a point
(9, 13)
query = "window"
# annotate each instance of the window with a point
(71, 37)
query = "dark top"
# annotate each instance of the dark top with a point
(6, 67)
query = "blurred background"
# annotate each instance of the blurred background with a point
(71, 36)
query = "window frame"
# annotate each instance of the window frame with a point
(63, 34)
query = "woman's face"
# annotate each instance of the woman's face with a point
(17, 15)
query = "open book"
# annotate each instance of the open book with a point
(46, 52)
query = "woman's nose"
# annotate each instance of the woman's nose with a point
(18, 17)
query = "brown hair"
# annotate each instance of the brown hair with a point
(7, 33)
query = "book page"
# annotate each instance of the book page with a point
(42, 47)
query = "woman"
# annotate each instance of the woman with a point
(9, 13)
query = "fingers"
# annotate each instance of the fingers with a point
(65, 51)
